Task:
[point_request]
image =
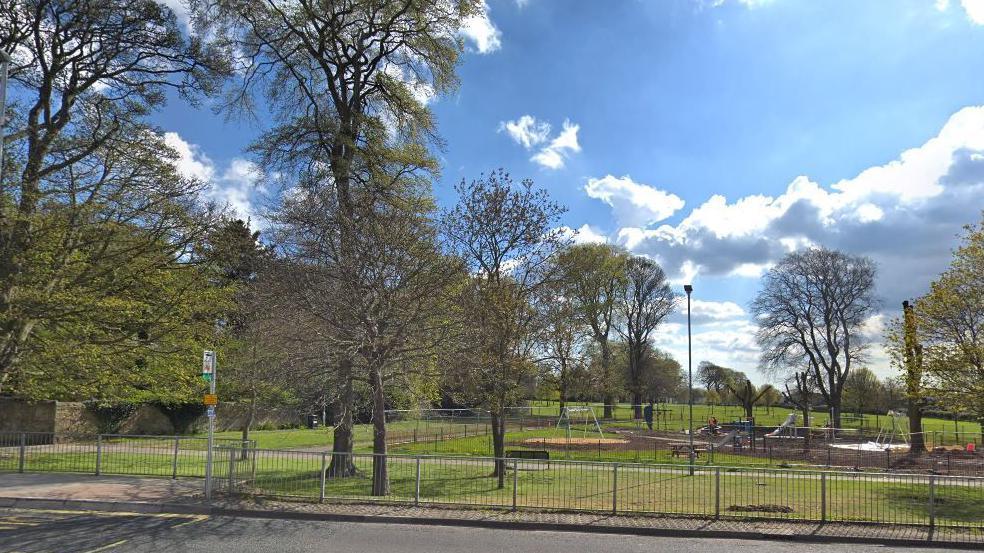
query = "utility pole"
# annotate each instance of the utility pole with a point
(690, 380)
(4, 64)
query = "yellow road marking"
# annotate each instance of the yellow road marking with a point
(198, 518)
(107, 546)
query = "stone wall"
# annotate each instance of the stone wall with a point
(74, 418)
(27, 416)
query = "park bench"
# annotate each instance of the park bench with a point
(683, 450)
(532, 454)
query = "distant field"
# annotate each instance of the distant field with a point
(675, 416)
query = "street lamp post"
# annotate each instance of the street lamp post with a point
(690, 380)
(4, 63)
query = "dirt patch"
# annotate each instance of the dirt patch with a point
(562, 441)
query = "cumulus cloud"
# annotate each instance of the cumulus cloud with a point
(554, 154)
(232, 186)
(585, 234)
(529, 133)
(634, 204)
(905, 214)
(481, 32)
(975, 10)
(526, 130)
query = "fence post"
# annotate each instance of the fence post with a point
(416, 492)
(717, 493)
(823, 497)
(99, 453)
(932, 506)
(828, 456)
(23, 448)
(888, 458)
(174, 460)
(232, 469)
(515, 482)
(614, 488)
(321, 477)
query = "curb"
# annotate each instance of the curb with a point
(140, 507)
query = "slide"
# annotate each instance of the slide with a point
(726, 439)
(789, 423)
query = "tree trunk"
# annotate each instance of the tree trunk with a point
(380, 478)
(250, 417)
(563, 396)
(606, 369)
(342, 464)
(498, 447)
(806, 425)
(637, 405)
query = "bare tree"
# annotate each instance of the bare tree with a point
(647, 302)
(562, 339)
(810, 311)
(506, 235)
(748, 395)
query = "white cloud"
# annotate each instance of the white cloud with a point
(480, 30)
(526, 130)
(904, 214)
(974, 9)
(942, 5)
(634, 204)
(233, 187)
(554, 155)
(529, 133)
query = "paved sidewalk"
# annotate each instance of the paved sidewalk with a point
(79, 491)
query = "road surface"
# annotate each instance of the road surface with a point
(35, 531)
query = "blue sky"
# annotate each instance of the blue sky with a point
(712, 135)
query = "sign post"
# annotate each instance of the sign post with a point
(208, 373)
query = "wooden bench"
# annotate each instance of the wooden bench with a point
(684, 450)
(532, 454)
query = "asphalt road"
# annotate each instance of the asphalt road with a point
(34, 531)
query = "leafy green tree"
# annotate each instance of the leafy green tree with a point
(950, 329)
(595, 279)
(350, 114)
(862, 390)
(506, 234)
(88, 187)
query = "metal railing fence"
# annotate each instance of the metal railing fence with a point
(111, 454)
(926, 501)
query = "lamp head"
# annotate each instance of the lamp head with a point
(688, 289)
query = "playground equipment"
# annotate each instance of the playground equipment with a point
(582, 416)
(785, 430)
(893, 437)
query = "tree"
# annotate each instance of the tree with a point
(949, 329)
(346, 80)
(662, 376)
(862, 390)
(562, 338)
(810, 311)
(648, 300)
(594, 276)
(717, 379)
(86, 180)
(748, 395)
(506, 235)
(770, 398)
(906, 353)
